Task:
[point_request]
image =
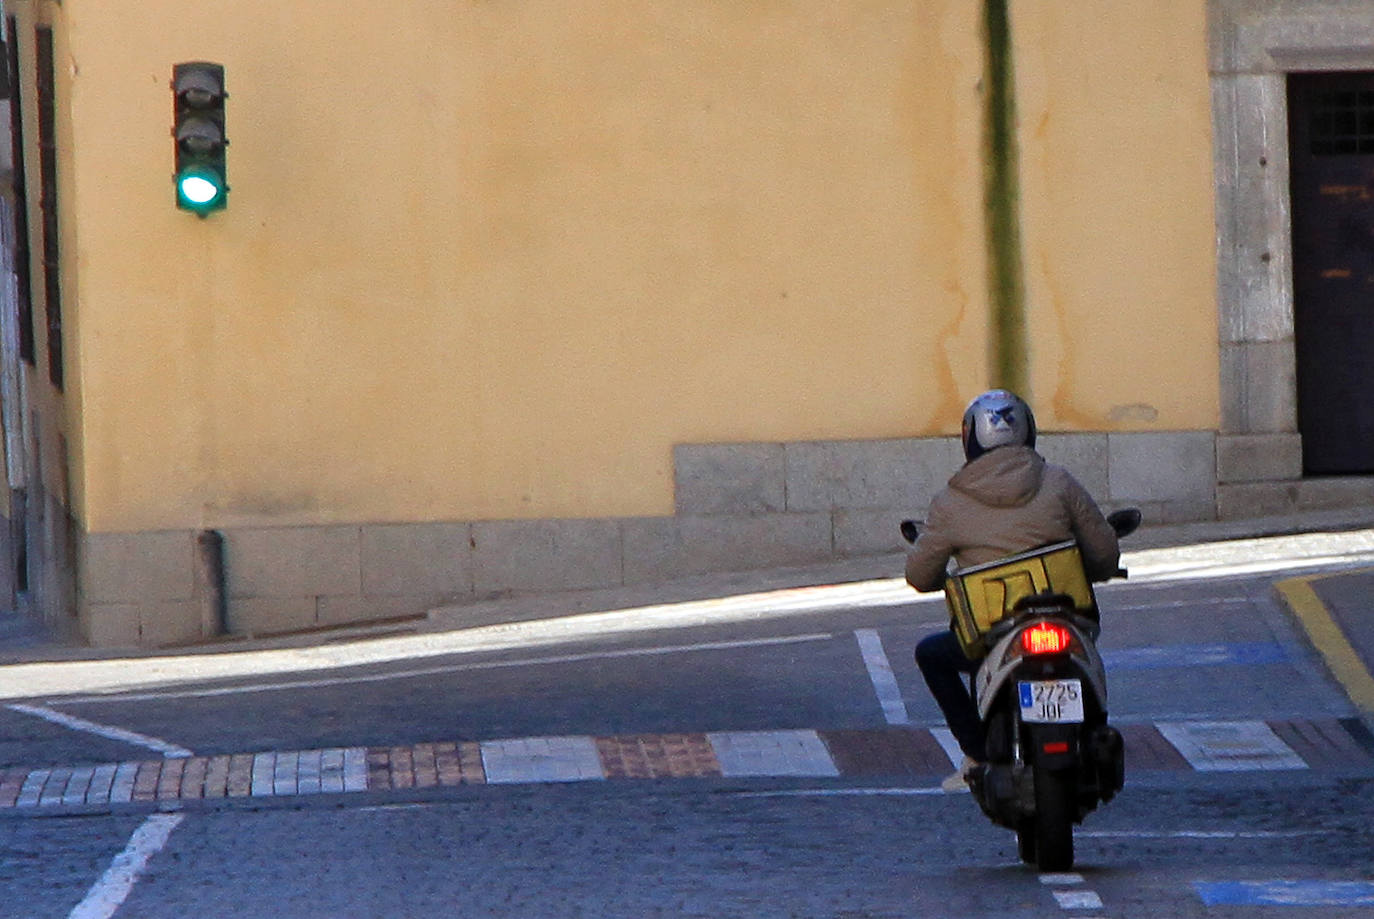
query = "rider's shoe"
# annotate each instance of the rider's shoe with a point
(959, 781)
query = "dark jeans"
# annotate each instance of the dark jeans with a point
(943, 665)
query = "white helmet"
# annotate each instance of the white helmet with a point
(997, 418)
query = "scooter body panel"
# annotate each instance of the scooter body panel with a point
(1005, 663)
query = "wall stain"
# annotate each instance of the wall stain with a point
(1002, 196)
(1136, 411)
(1066, 414)
(944, 403)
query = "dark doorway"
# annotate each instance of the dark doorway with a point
(1331, 151)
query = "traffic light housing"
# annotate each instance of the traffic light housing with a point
(198, 127)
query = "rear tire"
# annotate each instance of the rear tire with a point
(1025, 842)
(1054, 815)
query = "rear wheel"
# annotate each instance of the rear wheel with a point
(1054, 813)
(1025, 841)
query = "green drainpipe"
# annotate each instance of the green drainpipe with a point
(1001, 197)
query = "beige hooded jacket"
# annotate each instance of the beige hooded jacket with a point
(1006, 501)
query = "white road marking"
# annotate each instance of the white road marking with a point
(45, 679)
(122, 789)
(117, 697)
(1162, 605)
(772, 753)
(114, 886)
(32, 788)
(945, 738)
(167, 749)
(1199, 834)
(1066, 880)
(264, 775)
(841, 793)
(355, 769)
(1230, 746)
(1077, 899)
(884, 680)
(541, 759)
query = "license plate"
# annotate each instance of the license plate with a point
(1052, 701)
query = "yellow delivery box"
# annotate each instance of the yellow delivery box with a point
(981, 595)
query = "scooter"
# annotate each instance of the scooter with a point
(1041, 692)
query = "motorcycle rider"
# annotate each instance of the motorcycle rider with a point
(1004, 500)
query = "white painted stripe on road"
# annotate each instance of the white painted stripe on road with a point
(1066, 880)
(284, 772)
(122, 791)
(78, 785)
(772, 753)
(331, 771)
(1077, 899)
(355, 769)
(842, 793)
(32, 789)
(1162, 605)
(113, 888)
(541, 759)
(101, 730)
(55, 787)
(310, 772)
(117, 697)
(884, 680)
(1230, 746)
(945, 738)
(264, 774)
(1199, 834)
(102, 783)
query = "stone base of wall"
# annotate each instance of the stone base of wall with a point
(738, 507)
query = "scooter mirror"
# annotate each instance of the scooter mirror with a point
(1125, 521)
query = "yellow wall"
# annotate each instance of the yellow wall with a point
(1118, 226)
(488, 260)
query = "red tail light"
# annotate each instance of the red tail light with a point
(1046, 638)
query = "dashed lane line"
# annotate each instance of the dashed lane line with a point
(1069, 892)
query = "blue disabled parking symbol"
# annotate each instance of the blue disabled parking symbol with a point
(1286, 893)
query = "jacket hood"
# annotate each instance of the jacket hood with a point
(1004, 477)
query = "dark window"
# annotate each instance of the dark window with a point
(47, 152)
(23, 278)
(1342, 123)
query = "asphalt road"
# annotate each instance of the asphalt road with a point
(1216, 647)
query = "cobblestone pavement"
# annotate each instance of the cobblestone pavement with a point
(915, 754)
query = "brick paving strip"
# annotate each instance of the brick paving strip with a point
(897, 752)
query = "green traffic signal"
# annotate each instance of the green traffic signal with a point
(198, 127)
(200, 189)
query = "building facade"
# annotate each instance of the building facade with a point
(519, 297)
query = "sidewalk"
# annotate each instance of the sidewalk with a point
(546, 613)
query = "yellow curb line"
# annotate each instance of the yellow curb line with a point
(1328, 638)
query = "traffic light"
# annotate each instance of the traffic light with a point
(198, 107)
